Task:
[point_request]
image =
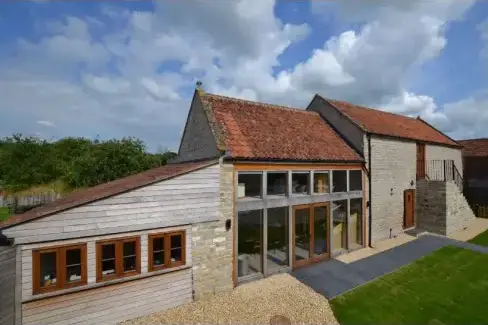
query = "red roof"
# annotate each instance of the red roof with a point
(475, 147)
(106, 190)
(252, 130)
(389, 124)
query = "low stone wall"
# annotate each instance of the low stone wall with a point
(441, 208)
(212, 245)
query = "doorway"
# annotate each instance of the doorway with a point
(409, 209)
(311, 242)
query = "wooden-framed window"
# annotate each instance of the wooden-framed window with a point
(166, 250)
(118, 258)
(57, 268)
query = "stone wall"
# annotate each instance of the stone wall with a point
(198, 141)
(7, 285)
(393, 168)
(459, 213)
(212, 245)
(430, 207)
(441, 208)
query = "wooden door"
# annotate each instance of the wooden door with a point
(409, 209)
(420, 160)
(311, 234)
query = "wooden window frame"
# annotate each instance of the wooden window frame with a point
(167, 250)
(61, 282)
(119, 261)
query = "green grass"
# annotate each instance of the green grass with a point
(4, 213)
(481, 239)
(450, 286)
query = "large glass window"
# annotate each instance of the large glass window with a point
(278, 246)
(59, 268)
(249, 185)
(321, 182)
(355, 180)
(277, 183)
(339, 181)
(302, 234)
(339, 225)
(320, 230)
(300, 183)
(356, 223)
(250, 243)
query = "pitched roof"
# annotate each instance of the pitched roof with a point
(389, 124)
(106, 190)
(252, 130)
(475, 147)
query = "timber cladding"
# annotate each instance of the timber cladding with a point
(7, 285)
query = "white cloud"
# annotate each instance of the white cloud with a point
(118, 83)
(46, 123)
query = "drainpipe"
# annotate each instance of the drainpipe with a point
(370, 219)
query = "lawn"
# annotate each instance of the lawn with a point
(450, 286)
(481, 239)
(4, 213)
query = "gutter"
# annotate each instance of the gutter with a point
(370, 219)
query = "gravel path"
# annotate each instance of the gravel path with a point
(252, 303)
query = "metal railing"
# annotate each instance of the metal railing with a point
(444, 170)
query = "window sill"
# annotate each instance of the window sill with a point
(96, 285)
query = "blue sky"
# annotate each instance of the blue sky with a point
(128, 68)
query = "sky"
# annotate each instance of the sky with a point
(128, 68)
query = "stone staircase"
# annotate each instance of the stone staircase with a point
(441, 206)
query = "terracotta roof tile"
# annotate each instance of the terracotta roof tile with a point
(475, 147)
(105, 190)
(254, 130)
(385, 123)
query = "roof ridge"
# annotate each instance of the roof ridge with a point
(475, 139)
(268, 105)
(368, 108)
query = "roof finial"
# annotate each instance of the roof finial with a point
(199, 87)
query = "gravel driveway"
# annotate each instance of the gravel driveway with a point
(252, 303)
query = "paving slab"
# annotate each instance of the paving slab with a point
(332, 278)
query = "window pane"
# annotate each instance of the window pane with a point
(302, 234)
(355, 180)
(158, 258)
(176, 255)
(355, 223)
(108, 251)
(158, 244)
(48, 269)
(73, 256)
(176, 241)
(321, 182)
(339, 181)
(108, 267)
(300, 183)
(250, 239)
(129, 264)
(73, 273)
(130, 248)
(320, 230)
(277, 183)
(278, 248)
(249, 185)
(339, 230)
